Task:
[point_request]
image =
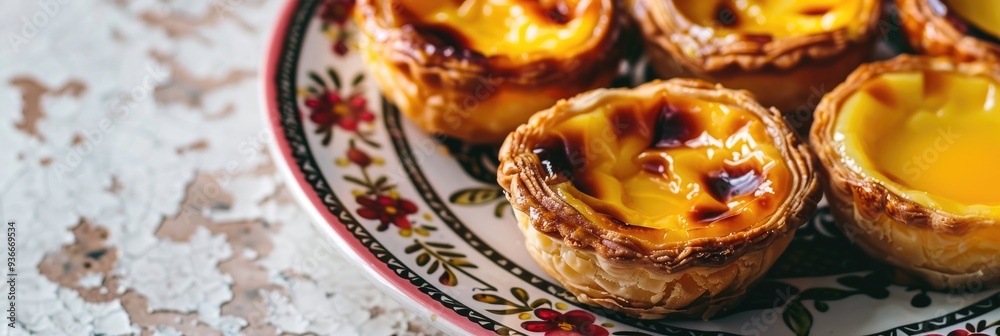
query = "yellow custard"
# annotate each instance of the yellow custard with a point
(513, 27)
(933, 137)
(776, 18)
(672, 164)
(983, 14)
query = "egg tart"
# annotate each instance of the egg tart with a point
(476, 69)
(963, 29)
(910, 149)
(670, 199)
(783, 51)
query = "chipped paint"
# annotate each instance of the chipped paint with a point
(146, 196)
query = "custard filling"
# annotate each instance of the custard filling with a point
(775, 18)
(930, 136)
(511, 27)
(686, 167)
(985, 15)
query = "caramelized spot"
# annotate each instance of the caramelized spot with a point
(759, 38)
(881, 91)
(625, 121)
(558, 12)
(725, 185)
(725, 15)
(673, 128)
(709, 214)
(654, 167)
(441, 35)
(817, 10)
(575, 144)
(552, 154)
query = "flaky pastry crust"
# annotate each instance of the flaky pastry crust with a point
(696, 277)
(930, 33)
(778, 70)
(931, 247)
(458, 92)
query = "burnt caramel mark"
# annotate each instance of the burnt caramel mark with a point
(759, 38)
(726, 185)
(564, 157)
(563, 160)
(446, 40)
(709, 214)
(556, 11)
(441, 35)
(674, 126)
(882, 92)
(552, 154)
(624, 120)
(815, 10)
(725, 15)
(654, 167)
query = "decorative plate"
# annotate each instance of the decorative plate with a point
(425, 218)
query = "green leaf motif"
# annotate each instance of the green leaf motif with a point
(798, 318)
(357, 79)
(356, 180)
(475, 196)
(423, 258)
(449, 254)
(440, 245)
(520, 294)
(540, 302)
(434, 267)
(493, 299)
(333, 76)
(821, 306)
(316, 79)
(498, 211)
(511, 311)
(461, 263)
(413, 248)
(381, 181)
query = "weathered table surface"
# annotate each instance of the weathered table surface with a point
(133, 161)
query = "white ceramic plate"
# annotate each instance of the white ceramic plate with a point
(426, 219)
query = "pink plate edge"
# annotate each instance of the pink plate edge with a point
(384, 278)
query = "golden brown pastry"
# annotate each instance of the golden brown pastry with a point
(475, 69)
(784, 51)
(910, 149)
(670, 199)
(964, 29)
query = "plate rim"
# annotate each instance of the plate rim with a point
(334, 230)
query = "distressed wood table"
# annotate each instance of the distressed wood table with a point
(133, 164)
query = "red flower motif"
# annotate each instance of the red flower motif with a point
(359, 157)
(329, 108)
(388, 209)
(572, 323)
(340, 47)
(337, 11)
